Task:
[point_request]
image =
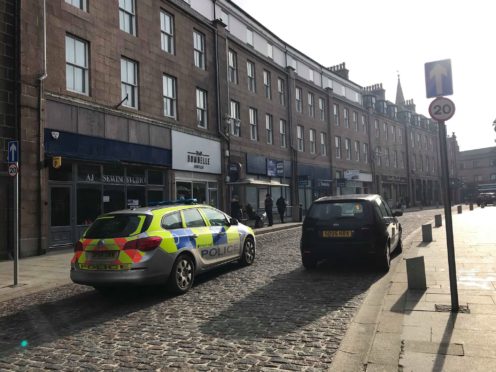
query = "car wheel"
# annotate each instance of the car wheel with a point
(384, 260)
(309, 262)
(249, 250)
(182, 275)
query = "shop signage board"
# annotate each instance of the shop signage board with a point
(195, 154)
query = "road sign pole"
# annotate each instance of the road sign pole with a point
(447, 214)
(16, 229)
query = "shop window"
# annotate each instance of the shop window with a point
(89, 203)
(60, 198)
(183, 190)
(64, 173)
(200, 192)
(154, 196)
(135, 197)
(113, 198)
(88, 173)
(155, 177)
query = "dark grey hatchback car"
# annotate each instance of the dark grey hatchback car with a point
(350, 225)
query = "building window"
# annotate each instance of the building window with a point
(199, 49)
(127, 19)
(233, 66)
(402, 164)
(378, 156)
(311, 105)
(399, 136)
(335, 110)
(393, 134)
(311, 137)
(347, 148)
(346, 118)
(493, 177)
(282, 132)
(167, 32)
(81, 4)
(321, 109)
(76, 65)
(235, 121)
(250, 69)
(355, 120)
(323, 143)
(300, 138)
(412, 140)
(366, 153)
(395, 159)
(337, 147)
(249, 37)
(281, 90)
(376, 128)
(478, 178)
(201, 108)
(129, 83)
(253, 114)
(364, 124)
(357, 151)
(170, 96)
(269, 128)
(299, 105)
(386, 158)
(267, 84)
(270, 51)
(384, 129)
(310, 75)
(493, 162)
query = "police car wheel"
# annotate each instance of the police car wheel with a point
(249, 250)
(182, 275)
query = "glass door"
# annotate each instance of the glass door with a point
(61, 216)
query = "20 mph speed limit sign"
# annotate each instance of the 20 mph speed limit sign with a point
(442, 109)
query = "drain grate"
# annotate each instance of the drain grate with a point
(463, 309)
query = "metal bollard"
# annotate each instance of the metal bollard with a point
(438, 220)
(427, 233)
(415, 272)
(459, 209)
(471, 206)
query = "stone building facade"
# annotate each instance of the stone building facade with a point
(125, 103)
(477, 172)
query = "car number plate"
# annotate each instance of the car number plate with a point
(116, 267)
(337, 233)
(99, 255)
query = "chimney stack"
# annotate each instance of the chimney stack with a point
(340, 70)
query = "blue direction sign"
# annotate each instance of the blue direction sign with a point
(438, 79)
(13, 151)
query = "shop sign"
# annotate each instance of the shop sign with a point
(394, 179)
(325, 183)
(275, 168)
(108, 178)
(352, 174)
(195, 154)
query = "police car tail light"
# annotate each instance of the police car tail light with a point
(78, 246)
(144, 244)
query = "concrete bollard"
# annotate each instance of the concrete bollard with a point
(459, 208)
(438, 220)
(427, 233)
(415, 272)
(471, 206)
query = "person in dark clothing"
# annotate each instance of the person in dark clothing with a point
(236, 208)
(253, 216)
(281, 207)
(268, 208)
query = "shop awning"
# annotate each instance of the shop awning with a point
(251, 181)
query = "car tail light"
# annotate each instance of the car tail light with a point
(78, 246)
(144, 244)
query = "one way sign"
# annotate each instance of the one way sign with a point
(438, 80)
(13, 151)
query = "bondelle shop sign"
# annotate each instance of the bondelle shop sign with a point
(195, 154)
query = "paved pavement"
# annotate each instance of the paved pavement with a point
(400, 329)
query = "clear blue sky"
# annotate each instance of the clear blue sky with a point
(378, 39)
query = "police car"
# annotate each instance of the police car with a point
(161, 244)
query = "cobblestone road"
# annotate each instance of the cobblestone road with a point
(271, 315)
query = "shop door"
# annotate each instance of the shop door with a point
(61, 216)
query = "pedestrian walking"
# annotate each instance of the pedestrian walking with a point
(236, 208)
(268, 208)
(281, 207)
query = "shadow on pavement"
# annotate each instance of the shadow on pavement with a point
(294, 300)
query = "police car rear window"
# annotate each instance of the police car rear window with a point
(118, 226)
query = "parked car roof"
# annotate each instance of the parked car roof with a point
(347, 197)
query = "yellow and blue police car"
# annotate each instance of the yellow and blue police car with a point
(161, 244)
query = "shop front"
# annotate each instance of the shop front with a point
(395, 190)
(354, 181)
(196, 164)
(88, 180)
(313, 182)
(255, 176)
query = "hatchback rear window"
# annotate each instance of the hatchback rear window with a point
(339, 210)
(118, 226)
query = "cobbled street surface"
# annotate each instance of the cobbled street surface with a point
(271, 315)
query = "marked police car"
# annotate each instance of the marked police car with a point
(158, 245)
